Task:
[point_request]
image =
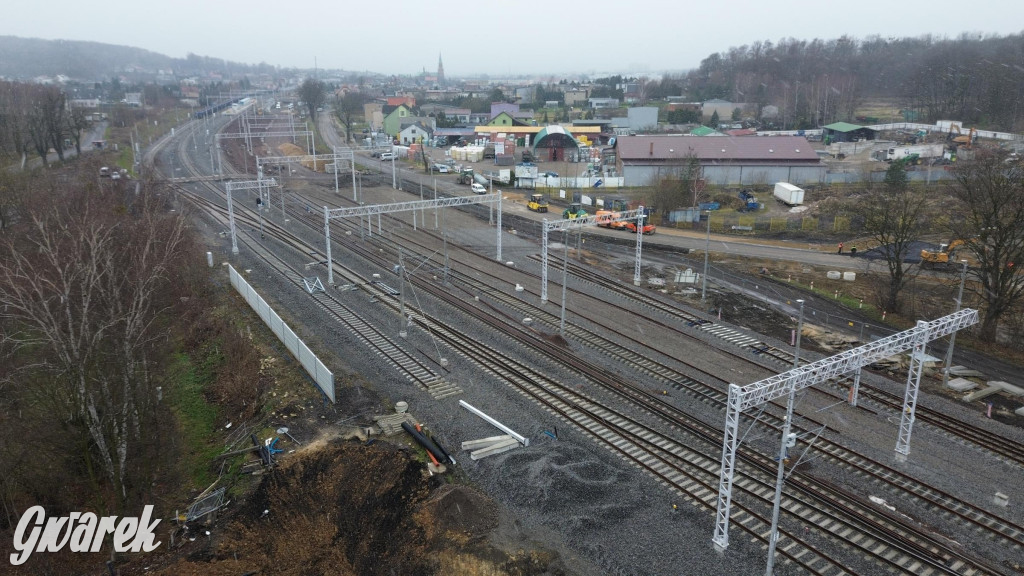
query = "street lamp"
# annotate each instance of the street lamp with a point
(707, 247)
(952, 337)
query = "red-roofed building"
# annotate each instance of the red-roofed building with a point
(728, 160)
(400, 100)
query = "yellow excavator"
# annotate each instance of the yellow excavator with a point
(941, 258)
(965, 140)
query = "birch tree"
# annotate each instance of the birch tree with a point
(82, 283)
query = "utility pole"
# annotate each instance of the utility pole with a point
(565, 275)
(784, 445)
(952, 337)
(707, 248)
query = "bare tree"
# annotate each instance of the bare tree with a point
(682, 188)
(347, 108)
(80, 287)
(53, 103)
(894, 218)
(314, 93)
(77, 122)
(989, 193)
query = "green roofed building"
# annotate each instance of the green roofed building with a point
(705, 131)
(846, 132)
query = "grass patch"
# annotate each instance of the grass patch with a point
(196, 417)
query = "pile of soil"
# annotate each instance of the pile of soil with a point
(340, 508)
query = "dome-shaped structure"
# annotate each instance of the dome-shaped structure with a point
(552, 143)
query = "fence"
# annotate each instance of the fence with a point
(323, 377)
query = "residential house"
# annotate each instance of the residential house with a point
(506, 119)
(414, 133)
(392, 121)
(576, 96)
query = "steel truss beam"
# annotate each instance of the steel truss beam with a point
(343, 154)
(243, 185)
(410, 206)
(787, 383)
(263, 134)
(578, 224)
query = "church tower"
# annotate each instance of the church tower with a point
(440, 71)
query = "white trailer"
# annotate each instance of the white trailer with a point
(789, 194)
(922, 151)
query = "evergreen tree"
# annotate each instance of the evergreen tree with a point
(714, 120)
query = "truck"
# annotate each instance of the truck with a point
(789, 194)
(923, 152)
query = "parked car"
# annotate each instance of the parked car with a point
(387, 156)
(478, 188)
(551, 174)
(441, 168)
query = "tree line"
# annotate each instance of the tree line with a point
(35, 118)
(979, 80)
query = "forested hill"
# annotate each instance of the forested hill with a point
(27, 58)
(975, 78)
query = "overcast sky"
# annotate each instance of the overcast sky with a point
(497, 38)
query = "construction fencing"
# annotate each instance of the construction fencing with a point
(323, 377)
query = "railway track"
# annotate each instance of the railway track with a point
(1004, 448)
(981, 519)
(889, 545)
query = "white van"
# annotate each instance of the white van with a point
(478, 188)
(387, 156)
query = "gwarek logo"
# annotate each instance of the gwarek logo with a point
(84, 532)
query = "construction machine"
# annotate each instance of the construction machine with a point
(609, 219)
(645, 226)
(538, 203)
(965, 140)
(941, 258)
(466, 176)
(574, 211)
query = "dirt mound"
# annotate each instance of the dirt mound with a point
(289, 149)
(342, 508)
(462, 510)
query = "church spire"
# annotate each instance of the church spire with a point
(440, 71)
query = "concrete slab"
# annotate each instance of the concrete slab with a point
(984, 393)
(964, 372)
(1008, 388)
(484, 442)
(961, 384)
(498, 448)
